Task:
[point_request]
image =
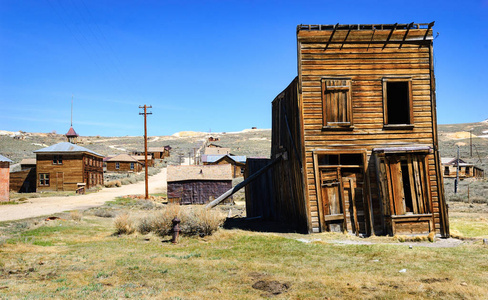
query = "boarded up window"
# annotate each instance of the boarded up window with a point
(405, 181)
(397, 101)
(336, 102)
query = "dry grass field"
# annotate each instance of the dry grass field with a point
(79, 256)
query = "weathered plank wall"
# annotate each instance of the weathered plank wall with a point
(286, 138)
(197, 191)
(23, 181)
(259, 193)
(366, 58)
(124, 167)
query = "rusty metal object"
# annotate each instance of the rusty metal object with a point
(176, 230)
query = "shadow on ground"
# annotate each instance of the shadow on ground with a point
(259, 225)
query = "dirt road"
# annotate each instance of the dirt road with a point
(35, 207)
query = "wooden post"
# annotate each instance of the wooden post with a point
(456, 182)
(145, 113)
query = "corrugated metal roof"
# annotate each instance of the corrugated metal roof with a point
(4, 159)
(66, 147)
(214, 172)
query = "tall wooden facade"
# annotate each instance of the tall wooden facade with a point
(359, 133)
(65, 167)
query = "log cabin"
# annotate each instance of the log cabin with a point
(123, 163)
(4, 178)
(466, 170)
(198, 184)
(66, 167)
(238, 163)
(357, 133)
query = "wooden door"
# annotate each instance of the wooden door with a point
(60, 181)
(332, 198)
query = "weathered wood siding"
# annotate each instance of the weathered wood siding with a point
(259, 193)
(197, 191)
(286, 138)
(236, 167)
(23, 181)
(366, 58)
(75, 168)
(124, 166)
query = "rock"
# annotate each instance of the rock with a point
(402, 271)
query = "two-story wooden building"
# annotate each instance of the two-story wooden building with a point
(66, 166)
(357, 130)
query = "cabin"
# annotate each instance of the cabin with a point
(4, 178)
(213, 139)
(27, 163)
(155, 152)
(238, 163)
(123, 163)
(466, 170)
(354, 135)
(198, 184)
(141, 160)
(67, 167)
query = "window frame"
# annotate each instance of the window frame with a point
(411, 122)
(132, 165)
(43, 178)
(329, 89)
(57, 160)
(117, 165)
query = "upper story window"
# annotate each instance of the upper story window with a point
(57, 160)
(397, 102)
(336, 103)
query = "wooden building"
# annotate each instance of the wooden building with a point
(142, 160)
(466, 170)
(357, 130)
(65, 167)
(123, 163)
(198, 184)
(4, 178)
(238, 163)
(213, 149)
(155, 152)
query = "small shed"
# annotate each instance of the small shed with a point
(198, 184)
(238, 163)
(123, 163)
(4, 178)
(27, 163)
(466, 170)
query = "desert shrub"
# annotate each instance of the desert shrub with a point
(125, 181)
(194, 221)
(201, 221)
(118, 183)
(95, 188)
(146, 204)
(103, 213)
(123, 224)
(76, 215)
(110, 184)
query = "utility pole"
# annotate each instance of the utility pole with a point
(145, 113)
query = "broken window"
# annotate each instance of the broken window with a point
(405, 184)
(44, 179)
(397, 101)
(336, 102)
(446, 171)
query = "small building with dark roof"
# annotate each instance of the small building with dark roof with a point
(4, 178)
(72, 135)
(123, 163)
(238, 163)
(198, 184)
(466, 170)
(66, 166)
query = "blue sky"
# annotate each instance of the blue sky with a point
(203, 65)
